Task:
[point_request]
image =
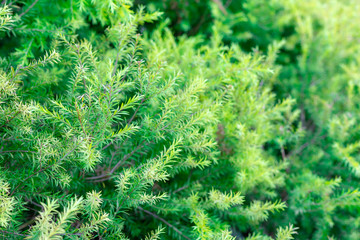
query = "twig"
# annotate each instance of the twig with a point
(227, 4)
(144, 99)
(17, 113)
(28, 9)
(132, 57)
(78, 115)
(117, 60)
(137, 109)
(187, 184)
(221, 6)
(44, 169)
(164, 221)
(106, 176)
(305, 145)
(129, 155)
(14, 233)
(21, 151)
(81, 63)
(36, 204)
(283, 155)
(24, 225)
(195, 29)
(23, 235)
(116, 64)
(180, 189)
(41, 30)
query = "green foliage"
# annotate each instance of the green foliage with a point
(104, 139)
(316, 60)
(317, 66)
(249, 120)
(116, 127)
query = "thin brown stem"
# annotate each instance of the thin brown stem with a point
(12, 118)
(13, 233)
(283, 155)
(17, 151)
(24, 225)
(221, 6)
(44, 169)
(29, 8)
(137, 109)
(106, 176)
(165, 222)
(305, 145)
(117, 60)
(180, 189)
(78, 116)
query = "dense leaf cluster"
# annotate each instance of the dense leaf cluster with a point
(318, 67)
(211, 120)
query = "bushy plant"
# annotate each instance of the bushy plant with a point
(116, 127)
(103, 140)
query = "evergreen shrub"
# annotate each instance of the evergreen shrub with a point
(208, 119)
(105, 136)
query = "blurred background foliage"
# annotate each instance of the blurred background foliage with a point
(318, 66)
